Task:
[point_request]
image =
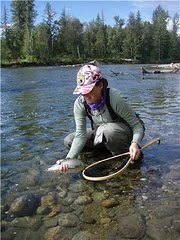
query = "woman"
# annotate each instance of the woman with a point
(119, 134)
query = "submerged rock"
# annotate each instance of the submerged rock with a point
(83, 200)
(131, 226)
(49, 200)
(109, 203)
(85, 235)
(25, 205)
(68, 220)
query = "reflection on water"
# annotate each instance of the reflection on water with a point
(35, 109)
(37, 113)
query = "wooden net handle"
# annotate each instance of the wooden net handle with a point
(154, 140)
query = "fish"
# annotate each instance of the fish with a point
(65, 164)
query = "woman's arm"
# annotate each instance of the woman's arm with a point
(81, 134)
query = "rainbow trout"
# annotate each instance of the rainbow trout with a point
(65, 164)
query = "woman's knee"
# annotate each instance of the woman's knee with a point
(109, 131)
(68, 140)
(116, 131)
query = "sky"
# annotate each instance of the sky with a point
(87, 11)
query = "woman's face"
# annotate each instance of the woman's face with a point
(95, 94)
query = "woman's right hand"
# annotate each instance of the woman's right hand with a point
(62, 166)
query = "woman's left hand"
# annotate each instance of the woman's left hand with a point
(135, 151)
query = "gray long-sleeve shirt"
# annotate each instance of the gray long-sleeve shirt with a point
(101, 116)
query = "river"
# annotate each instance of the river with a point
(36, 115)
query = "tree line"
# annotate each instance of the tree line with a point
(68, 40)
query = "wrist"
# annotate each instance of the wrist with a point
(134, 143)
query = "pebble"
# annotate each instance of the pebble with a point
(49, 199)
(68, 220)
(83, 200)
(85, 235)
(109, 203)
(105, 220)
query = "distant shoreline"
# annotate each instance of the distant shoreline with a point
(78, 64)
(33, 64)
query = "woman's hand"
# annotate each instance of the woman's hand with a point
(67, 163)
(63, 167)
(135, 151)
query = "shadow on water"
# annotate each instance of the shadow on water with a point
(37, 113)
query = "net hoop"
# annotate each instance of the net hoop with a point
(119, 172)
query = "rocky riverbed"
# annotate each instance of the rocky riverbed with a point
(141, 204)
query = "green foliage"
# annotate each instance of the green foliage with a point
(160, 34)
(40, 35)
(174, 40)
(67, 40)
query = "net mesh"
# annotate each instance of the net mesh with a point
(106, 168)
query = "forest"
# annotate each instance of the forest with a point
(67, 40)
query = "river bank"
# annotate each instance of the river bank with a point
(65, 63)
(35, 64)
(78, 63)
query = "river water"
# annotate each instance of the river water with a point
(37, 113)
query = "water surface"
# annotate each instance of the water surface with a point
(37, 113)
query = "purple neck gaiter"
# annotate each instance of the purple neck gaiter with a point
(96, 106)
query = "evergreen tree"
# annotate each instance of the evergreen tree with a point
(70, 36)
(133, 44)
(5, 52)
(100, 43)
(76, 37)
(117, 38)
(18, 9)
(4, 22)
(111, 33)
(160, 34)
(90, 40)
(19, 34)
(128, 44)
(50, 26)
(174, 51)
(41, 51)
(28, 30)
(138, 38)
(64, 36)
(69, 39)
(147, 42)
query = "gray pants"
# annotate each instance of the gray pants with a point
(116, 138)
